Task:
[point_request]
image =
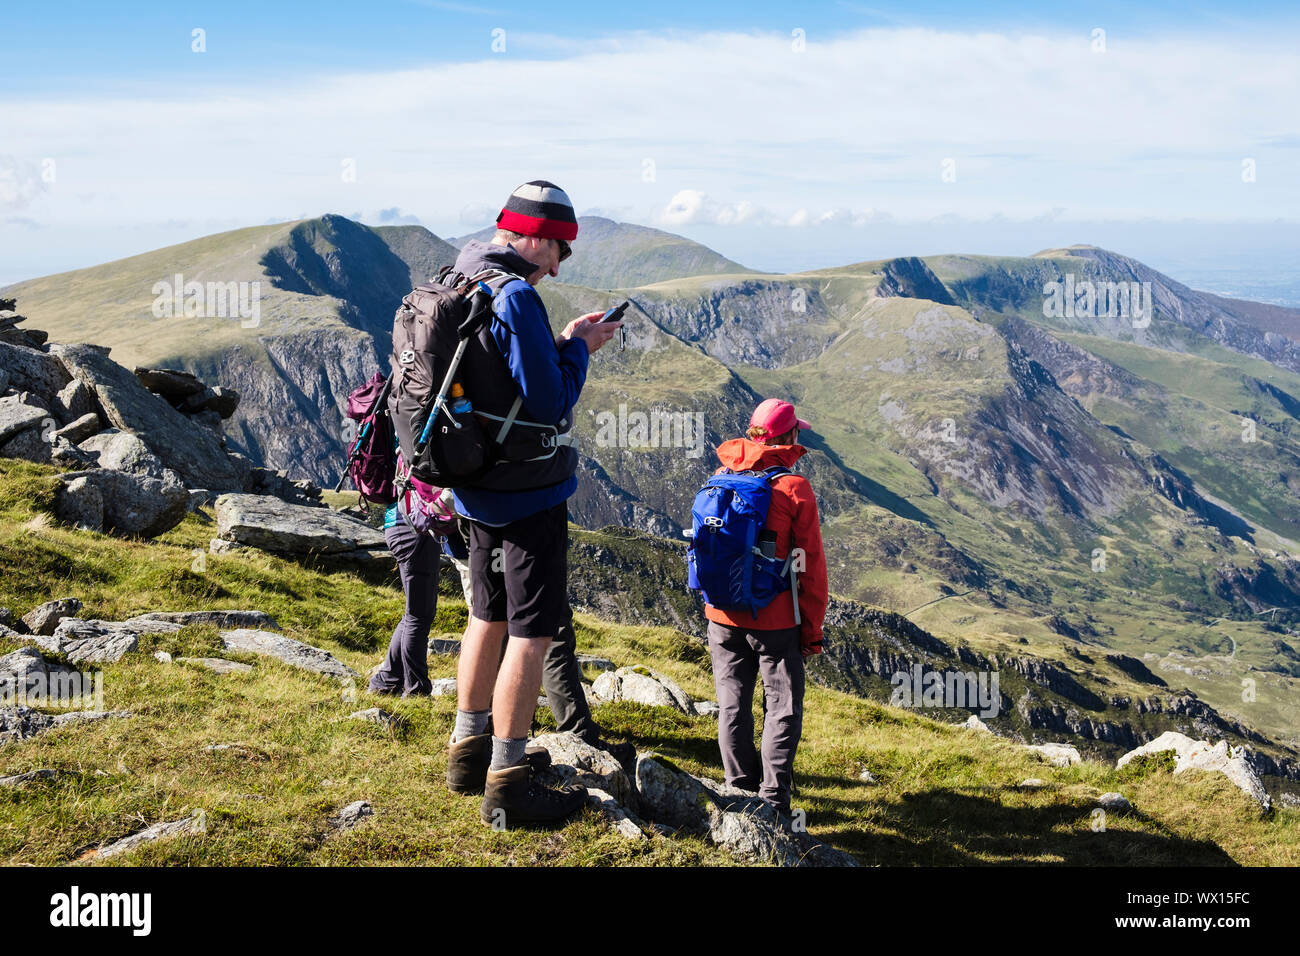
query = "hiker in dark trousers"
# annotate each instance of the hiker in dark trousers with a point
(405, 669)
(523, 382)
(770, 644)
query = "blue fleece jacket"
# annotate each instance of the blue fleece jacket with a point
(549, 378)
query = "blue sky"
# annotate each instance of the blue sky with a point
(786, 136)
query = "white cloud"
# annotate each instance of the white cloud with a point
(20, 183)
(739, 130)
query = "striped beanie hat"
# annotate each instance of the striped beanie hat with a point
(539, 209)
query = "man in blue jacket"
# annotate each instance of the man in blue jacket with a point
(523, 382)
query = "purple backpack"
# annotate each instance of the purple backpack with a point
(372, 460)
(425, 507)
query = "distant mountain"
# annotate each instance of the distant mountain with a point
(327, 287)
(1005, 475)
(619, 255)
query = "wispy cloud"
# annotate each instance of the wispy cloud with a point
(727, 129)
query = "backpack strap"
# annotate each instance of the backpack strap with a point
(510, 418)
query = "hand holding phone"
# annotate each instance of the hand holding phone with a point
(615, 314)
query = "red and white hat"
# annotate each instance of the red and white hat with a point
(776, 418)
(540, 209)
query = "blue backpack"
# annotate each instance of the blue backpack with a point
(727, 560)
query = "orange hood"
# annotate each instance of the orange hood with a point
(743, 454)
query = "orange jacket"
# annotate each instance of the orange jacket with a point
(793, 517)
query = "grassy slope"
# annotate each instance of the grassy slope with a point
(944, 796)
(122, 295)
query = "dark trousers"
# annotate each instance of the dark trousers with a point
(739, 657)
(406, 668)
(562, 681)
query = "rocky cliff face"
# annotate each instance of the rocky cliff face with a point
(1018, 287)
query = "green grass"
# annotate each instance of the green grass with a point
(943, 795)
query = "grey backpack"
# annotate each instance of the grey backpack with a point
(440, 445)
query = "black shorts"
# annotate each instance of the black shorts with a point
(519, 572)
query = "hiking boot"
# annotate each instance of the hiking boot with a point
(513, 799)
(468, 761)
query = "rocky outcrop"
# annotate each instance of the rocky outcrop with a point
(641, 685)
(294, 653)
(104, 500)
(660, 798)
(911, 278)
(21, 722)
(1202, 755)
(18, 414)
(44, 618)
(732, 819)
(186, 393)
(99, 642)
(264, 522)
(187, 826)
(573, 761)
(222, 619)
(192, 451)
(11, 334)
(122, 451)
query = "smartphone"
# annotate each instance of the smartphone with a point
(615, 314)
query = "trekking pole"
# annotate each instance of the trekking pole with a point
(470, 327)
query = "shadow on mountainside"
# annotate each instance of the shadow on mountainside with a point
(873, 491)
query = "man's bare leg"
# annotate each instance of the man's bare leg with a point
(476, 671)
(515, 696)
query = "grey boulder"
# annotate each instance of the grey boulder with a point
(268, 523)
(100, 642)
(130, 504)
(191, 451)
(575, 761)
(121, 451)
(44, 618)
(18, 415)
(80, 429)
(294, 653)
(172, 384)
(643, 686)
(1058, 755)
(32, 370)
(1193, 754)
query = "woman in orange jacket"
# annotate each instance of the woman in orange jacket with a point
(770, 643)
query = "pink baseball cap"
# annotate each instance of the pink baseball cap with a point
(777, 417)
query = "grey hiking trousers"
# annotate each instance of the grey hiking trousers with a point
(740, 657)
(405, 669)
